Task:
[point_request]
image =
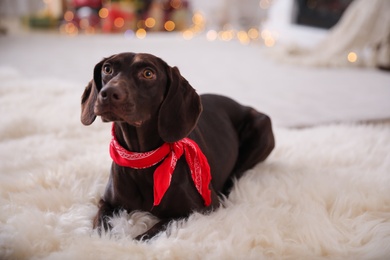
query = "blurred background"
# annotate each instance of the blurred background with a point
(304, 62)
(223, 19)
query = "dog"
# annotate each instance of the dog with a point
(174, 151)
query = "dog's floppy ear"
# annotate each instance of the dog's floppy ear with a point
(180, 109)
(90, 95)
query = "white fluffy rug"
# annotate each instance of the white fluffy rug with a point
(323, 193)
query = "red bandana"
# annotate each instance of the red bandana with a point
(197, 162)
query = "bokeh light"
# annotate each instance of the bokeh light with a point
(169, 26)
(211, 35)
(188, 34)
(119, 22)
(68, 16)
(140, 33)
(103, 13)
(253, 33)
(265, 4)
(127, 22)
(69, 29)
(176, 4)
(243, 37)
(352, 57)
(198, 18)
(150, 22)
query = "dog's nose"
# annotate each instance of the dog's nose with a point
(112, 94)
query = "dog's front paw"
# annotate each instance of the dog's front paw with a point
(143, 237)
(100, 222)
(153, 231)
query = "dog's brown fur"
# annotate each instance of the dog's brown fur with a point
(151, 103)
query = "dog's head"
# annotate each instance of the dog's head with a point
(135, 88)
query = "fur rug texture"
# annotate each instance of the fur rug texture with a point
(324, 192)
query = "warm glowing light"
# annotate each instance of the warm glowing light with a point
(68, 16)
(198, 18)
(119, 22)
(269, 41)
(211, 35)
(243, 37)
(140, 33)
(264, 4)
(176, 4)
(103, 13)
(352, 57)
(188, 34)
(69, 29)
(226, 35)
(169, 26)
(150, 22)
(253, 33)
(197, 28)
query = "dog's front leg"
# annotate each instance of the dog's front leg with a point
(153, 231)
(101, 219)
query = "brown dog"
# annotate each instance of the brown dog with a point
(155, 109)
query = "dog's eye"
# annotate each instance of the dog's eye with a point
(148, 74)
(107, 69)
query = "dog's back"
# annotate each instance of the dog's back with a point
(233, 137)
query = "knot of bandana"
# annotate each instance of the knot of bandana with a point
(168, 154)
